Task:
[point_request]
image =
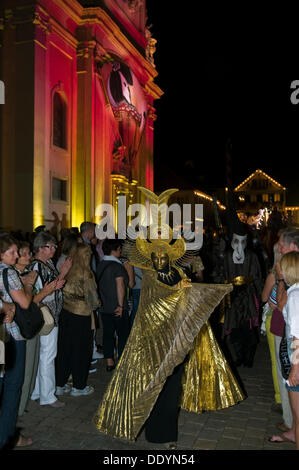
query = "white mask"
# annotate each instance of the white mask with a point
(238, 244)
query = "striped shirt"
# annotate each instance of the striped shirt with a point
(273, 295)
(14, 283)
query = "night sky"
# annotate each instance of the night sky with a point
(215, 90)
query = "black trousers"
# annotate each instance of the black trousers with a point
(73, 351)
(111, 325)
(162, 424)
(244, 340)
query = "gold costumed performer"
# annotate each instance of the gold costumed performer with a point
(171, 358)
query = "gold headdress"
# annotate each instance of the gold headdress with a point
(157, 237)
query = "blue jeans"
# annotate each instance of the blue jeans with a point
(10, 388)
(292, 389)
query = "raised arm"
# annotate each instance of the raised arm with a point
(24, 296)
(48, 289)
(130, 270)
(121, 291)
(268, 286)
(281, 295)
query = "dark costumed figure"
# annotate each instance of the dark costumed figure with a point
(171, 358)
(241, 306)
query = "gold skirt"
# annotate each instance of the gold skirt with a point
(208, 382)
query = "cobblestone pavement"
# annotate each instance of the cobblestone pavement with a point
(245, 426)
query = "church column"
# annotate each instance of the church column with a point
(83, 163)
(17, 130)
(41, 181)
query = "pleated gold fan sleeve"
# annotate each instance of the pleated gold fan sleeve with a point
(165, 327)
(208, 382)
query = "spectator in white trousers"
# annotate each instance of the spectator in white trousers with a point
(44, 247)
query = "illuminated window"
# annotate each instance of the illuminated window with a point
(265, 198)
(59, 189)
(59, 121)
(276, 197)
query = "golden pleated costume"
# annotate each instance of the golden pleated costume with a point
(208, 382)
(170, 323)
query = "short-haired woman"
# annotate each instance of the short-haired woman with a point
(12, 380)
(44, 247)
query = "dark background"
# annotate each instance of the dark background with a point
(217, 86)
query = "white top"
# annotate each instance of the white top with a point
(291, 312)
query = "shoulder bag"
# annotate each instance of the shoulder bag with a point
(48, 317)
(284, 358)
(30, 321)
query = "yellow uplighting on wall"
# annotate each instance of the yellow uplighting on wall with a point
(76, 218)
(38, 217)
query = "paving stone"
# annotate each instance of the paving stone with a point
(210, 434)
(192, 427)
(202, 444)
(257, 423)
(251, 432)
(228, 444)
(187, 440)
(233, 433)
(255, 442)
(236, 423)
(215, 423)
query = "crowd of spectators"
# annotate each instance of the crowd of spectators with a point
(90, 290)
(61, 275)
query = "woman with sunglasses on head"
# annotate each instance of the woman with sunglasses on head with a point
(44, 247)
(32, 345)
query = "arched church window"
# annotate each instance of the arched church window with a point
(59, 121)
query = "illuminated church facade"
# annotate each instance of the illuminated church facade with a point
(78, 120)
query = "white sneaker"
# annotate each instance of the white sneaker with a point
(97, 355)
(62, 390)
(76, 392)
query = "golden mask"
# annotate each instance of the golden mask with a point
(145, 251)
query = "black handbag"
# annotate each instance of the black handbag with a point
(284, 358)
(30, 321)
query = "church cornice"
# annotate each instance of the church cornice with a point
(119, 43)
(93, 18)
